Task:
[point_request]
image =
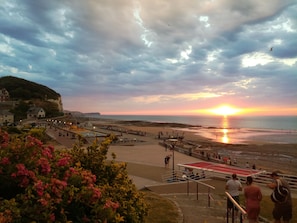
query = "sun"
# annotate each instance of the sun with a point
(225, 110)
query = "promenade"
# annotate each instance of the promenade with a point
(145, 165)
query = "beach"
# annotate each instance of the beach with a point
(264, 155)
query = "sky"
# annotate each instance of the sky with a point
(156, 57)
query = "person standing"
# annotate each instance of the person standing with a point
(166, 160)
(282, 209)
(247, 165)
(233, 187)
(253, 197)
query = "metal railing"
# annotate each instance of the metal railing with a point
(181, 178)
(209, 187)
(236, 206)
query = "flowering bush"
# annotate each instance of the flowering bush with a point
(41, 184)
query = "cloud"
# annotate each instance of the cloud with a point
(112, 56)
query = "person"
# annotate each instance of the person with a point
(247, 165)
(233, 187)
(184, 176)
(281, 210)
(203, 174)
(253, 197)
(166, 160)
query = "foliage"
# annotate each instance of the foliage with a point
(113, 177)
(22, 89)
(11, 129)
(267, 207)
(39, 133)
(41, 184)
(28, 93)
(20, 111)
(51, 108)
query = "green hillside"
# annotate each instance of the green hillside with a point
(21, 89)
(27, 94)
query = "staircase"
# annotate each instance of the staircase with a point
(197, 211)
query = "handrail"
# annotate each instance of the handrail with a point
(197, 190)
(235, 203)
(239, 208)
(207, 185)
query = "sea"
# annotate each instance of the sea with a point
(229, 129)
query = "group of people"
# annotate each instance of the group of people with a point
(253, 196)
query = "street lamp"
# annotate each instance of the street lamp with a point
(173, 143)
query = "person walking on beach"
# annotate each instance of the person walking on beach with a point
(282, 208)
(233, 187)
(253, 197)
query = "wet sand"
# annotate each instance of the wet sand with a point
(264, 155)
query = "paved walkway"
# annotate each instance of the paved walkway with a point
(145, 165)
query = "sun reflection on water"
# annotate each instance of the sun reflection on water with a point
(225, 125)
(225, 138)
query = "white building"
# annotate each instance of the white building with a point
(35, 112)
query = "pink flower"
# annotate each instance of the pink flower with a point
(13, 175)
(64, 161)
(72, 170)
(52, 217)
(45, 166)
(24, 182)
(4, 139)
(96, 193)
(32, 175)
(39, 187)
(111, 204)
(58, 186)
(43, 202)
(34, 141)
(88, 177)
(47, 153)
(5, 161)
(22, 171)
(51, 148)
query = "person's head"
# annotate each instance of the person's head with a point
(249, 180)
(274, 174)
(234, 176)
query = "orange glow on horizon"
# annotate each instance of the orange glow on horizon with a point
(225, 110)
(269, 111)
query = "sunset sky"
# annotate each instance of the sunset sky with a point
(170, 57)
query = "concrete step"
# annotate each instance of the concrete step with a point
(196, 211)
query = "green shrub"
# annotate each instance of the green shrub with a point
(41, 184)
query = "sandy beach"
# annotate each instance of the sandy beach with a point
(264, 155)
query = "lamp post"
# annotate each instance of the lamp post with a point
(173, 143)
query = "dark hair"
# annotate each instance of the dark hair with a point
(274, 173)
(234, 176)
(249, 180)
